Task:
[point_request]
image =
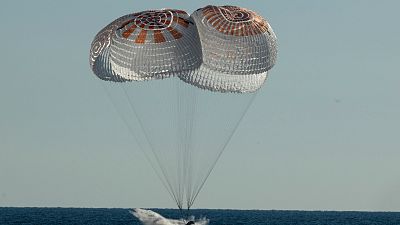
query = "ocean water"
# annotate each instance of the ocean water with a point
(99, 216)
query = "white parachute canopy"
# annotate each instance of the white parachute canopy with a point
(202, 73)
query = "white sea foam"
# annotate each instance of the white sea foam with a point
(148, 217)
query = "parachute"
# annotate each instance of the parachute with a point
(182, 83)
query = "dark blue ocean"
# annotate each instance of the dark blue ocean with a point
(88, 216)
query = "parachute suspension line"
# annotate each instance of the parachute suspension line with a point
(189, 146)
(178, 151)
(179, 143)
(181, 155)
(176, 125)
(191, 166)
(163, 170)
(186, 105)
(135, 137)
(187, 109)
(222, 150)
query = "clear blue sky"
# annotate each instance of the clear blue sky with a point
(322, 134)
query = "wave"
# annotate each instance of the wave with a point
(148, 217)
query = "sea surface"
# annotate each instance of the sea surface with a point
(102, 216)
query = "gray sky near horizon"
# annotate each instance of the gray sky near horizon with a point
(322, 134)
